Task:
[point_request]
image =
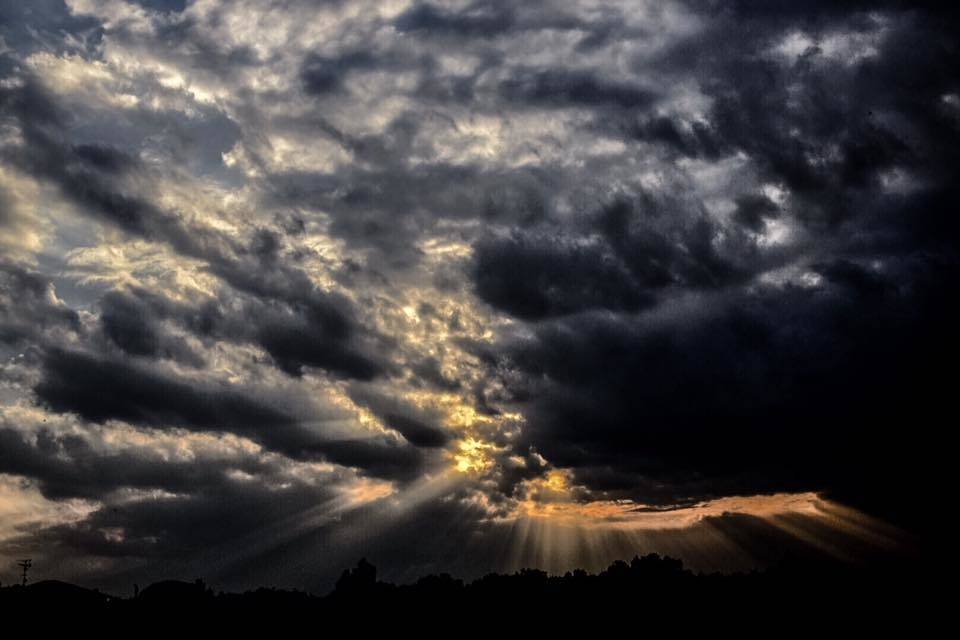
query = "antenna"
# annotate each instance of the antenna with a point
(25, 565)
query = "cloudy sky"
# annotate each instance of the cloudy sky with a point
(469, 285)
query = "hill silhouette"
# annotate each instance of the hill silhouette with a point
(658, 588)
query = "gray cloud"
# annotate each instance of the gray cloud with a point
(29, 309)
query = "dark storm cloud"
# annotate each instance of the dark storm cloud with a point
(417, 425)
(480, 19)
(782, 389)
(163, 5)
(318, 335)
(28, 308)
(427, 371)
(379, 457)
(98, 389)
(565, 88)
(754, 210)
(825, 127)
(144, 310)
(389, 207)
(105, 159)
(6, 214)
(684, 252)
(489, 19)
(131, 326)
(417, 432)
(68, 466)
(179, 526)
(322, 74)
(782, 13)
(697, 141)
(309, 327)
(535, 276)
(618, 259)
(312, 329)
(772, 386)
(85, 174)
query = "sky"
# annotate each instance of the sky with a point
(470, 285)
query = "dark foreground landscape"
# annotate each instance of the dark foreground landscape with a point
(655, 591)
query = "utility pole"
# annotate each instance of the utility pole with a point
(25, 565)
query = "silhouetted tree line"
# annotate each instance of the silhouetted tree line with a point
(659, 589)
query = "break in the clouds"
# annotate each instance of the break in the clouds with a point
(285, 283)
